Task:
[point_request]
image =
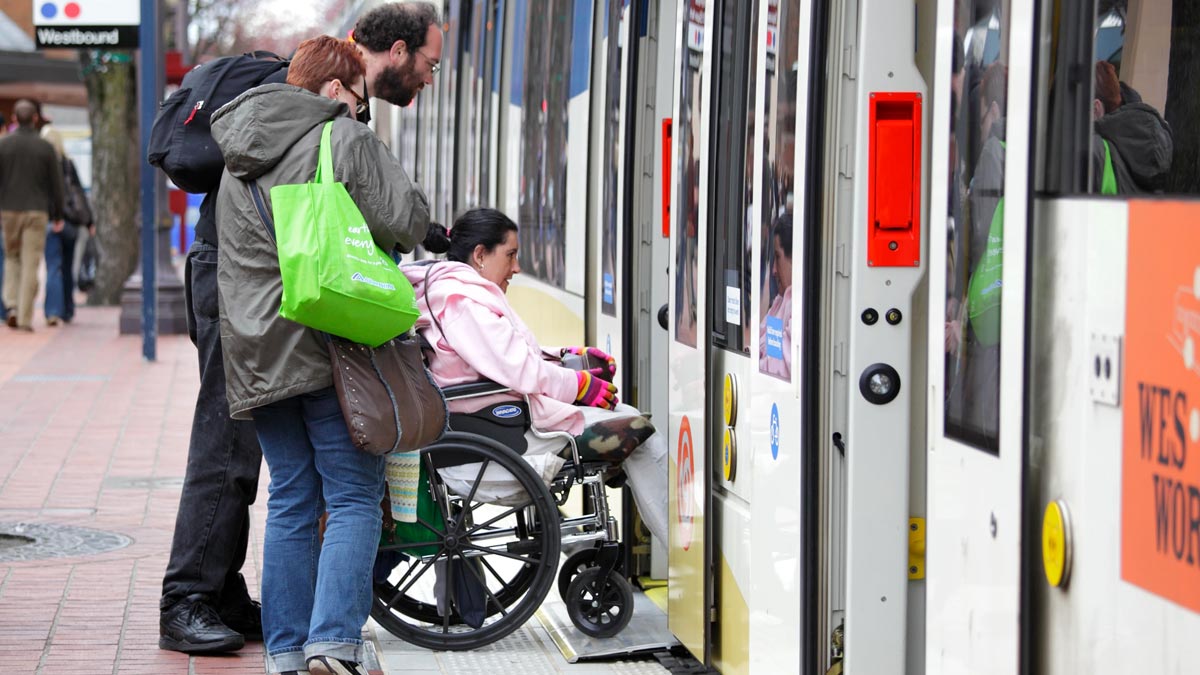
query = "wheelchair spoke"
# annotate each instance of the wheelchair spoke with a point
(449, 594)
(483, 582)
(429, 527)
(424, 568)
(411, 568)
(496, 551)
(436, 486)
(495, 573)
(498, 518)
(475, 486)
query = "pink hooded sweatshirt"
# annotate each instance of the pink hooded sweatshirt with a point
(485, 339)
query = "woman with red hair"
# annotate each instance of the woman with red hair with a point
(316, 594)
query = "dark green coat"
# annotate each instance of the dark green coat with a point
(272, 134)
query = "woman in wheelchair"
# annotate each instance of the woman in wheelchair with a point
(476, 335)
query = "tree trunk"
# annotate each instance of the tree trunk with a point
(112, 108)
(1183, 97)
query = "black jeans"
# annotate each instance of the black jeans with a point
(213, 524)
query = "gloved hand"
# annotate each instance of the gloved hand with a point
(606, 371)
(595, 392)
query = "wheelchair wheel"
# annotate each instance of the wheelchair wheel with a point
(574, 564)
(600, 605)
(486, 567)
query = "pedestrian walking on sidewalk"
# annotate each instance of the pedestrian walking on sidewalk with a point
(31, 194)
(316, 594)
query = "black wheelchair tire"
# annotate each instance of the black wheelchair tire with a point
(529, 592)
(571, 567)
(592, 611)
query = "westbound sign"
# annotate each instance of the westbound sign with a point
(74, 24)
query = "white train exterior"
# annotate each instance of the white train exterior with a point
(929, 388)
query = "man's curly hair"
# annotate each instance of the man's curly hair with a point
(378, 29)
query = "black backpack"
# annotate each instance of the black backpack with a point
(181, 142)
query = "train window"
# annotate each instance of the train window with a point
(732, 157)
(688, 132)
(545, 95)
(471, 105)
(1119, 102)
(975, 222)
(779, 152)
(618, 17)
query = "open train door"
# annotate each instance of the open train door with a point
(979, 216)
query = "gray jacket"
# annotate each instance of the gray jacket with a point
(272, 134)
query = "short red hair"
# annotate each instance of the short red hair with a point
(1108, 87)
(323, 58)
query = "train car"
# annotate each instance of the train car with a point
(913, 287)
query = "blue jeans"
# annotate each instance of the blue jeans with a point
(60, 273)
(316, 597)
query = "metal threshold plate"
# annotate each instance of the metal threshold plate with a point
(647, 631)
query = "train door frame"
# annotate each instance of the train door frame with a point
(872, 339)
(644, 255)
(689, 608)
(733, 165)
(975, 497)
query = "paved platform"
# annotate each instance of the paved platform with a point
(93, 445)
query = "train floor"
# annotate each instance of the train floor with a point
(93, 446)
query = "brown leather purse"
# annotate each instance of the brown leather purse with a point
(388, 398)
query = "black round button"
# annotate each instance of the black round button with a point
(870, 316)
(879, 383)
(893, 316)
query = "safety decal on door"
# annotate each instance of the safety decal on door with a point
(1160, 478)
(686, 487)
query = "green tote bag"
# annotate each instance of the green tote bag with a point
(335, 278)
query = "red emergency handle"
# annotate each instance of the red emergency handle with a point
(666, 177)
(894, 180)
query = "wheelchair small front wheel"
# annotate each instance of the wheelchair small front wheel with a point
(576, 562)
(600, 605)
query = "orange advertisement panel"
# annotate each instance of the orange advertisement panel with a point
(1160, 477)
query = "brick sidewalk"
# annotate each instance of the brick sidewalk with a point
(93, 436)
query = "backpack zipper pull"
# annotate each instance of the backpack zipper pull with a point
(199, 105)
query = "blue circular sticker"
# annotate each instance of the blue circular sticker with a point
(774, 431)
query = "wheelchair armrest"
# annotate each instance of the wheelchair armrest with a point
(472, 390)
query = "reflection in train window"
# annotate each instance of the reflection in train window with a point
(779, 152)
(730, 155)
(616, 33)
(1121, 114)
(975, 222)
(544, 83)
(688, 132)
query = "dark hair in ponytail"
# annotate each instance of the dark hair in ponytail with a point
(488, 227)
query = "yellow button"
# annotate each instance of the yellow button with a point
(730, 400)
(729, 454)
(1056, 543)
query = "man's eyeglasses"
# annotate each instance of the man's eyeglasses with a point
(433, 67)
(362, 106)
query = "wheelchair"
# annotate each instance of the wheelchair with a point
(473, 569)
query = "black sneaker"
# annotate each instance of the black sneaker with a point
(191, 626)
(328, 665)
(246, 619)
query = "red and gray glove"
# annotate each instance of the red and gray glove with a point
(595, 392)
(606, 371)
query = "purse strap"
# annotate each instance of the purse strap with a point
(325, 157)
